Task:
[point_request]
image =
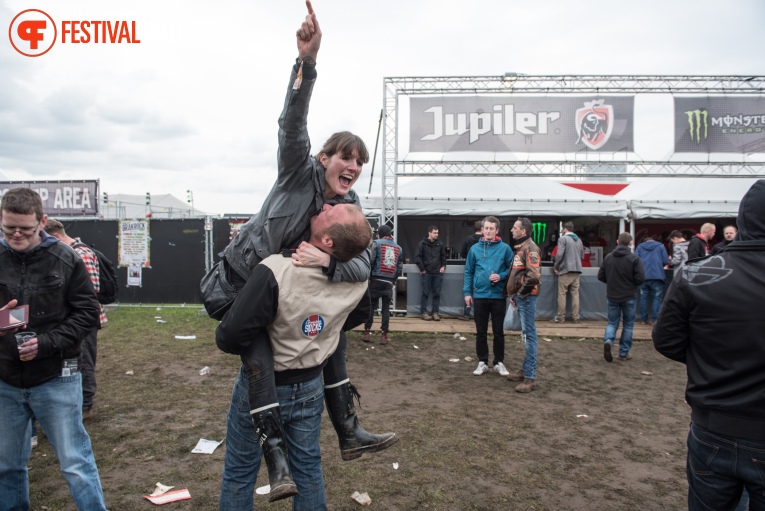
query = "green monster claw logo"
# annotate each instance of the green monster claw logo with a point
(539, 232)
(695, 119)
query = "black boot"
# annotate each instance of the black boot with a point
(268, 428)
(354, 440)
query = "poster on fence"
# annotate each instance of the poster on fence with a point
(134, 276)
(134, 243)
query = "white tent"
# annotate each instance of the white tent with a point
(686, 197)
(134, 206)
(494, 195)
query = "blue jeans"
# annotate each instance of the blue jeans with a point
(527, 309)
(57, 405)
(655, 288)
(494, 308)
(719, 467)
(431, 283)
(616, 312)
(301, 406)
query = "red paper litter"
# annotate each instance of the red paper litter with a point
(171, 496)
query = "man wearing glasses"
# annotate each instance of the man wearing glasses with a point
(40, 378)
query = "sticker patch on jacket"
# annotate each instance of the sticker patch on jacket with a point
(313, 325)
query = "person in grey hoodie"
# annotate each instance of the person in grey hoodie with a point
(568, 268)
(679, 251)
(654, 257)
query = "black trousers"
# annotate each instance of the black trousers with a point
(377, 290)
(483, 310)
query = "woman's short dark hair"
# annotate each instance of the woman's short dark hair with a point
(345, 143)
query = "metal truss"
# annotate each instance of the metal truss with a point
(513, 83)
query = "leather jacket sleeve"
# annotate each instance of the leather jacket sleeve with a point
(294, 144)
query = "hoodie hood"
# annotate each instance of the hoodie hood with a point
(621, 250)
(576, 238)
(651, 245)
(751, 214)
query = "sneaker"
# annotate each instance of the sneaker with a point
(34, 441)
(365, 337)
(464, 318)
(607, 352)
(426, 317)
(436, 317)
(501, 369)
(384, 338)
(482, 368)
(519, 376)
(626, 357)
(527, 386)
(556, 319)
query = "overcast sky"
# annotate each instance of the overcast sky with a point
(195, 104)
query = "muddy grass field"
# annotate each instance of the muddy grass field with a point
(593, 436)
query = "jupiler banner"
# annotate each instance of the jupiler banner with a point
(720, 124)
(555, 124)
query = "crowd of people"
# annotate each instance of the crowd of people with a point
(305, 270)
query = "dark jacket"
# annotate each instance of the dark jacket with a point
(430, 256)
(712, 321)
(298, 194)
(387, 260)
(697, 247)
(623, 272)
(468, 243)
(63, 308)
(654, 257)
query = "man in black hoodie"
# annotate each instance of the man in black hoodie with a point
(623, 272)
(712, 321)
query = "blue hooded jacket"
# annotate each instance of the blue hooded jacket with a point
(654, 257)
(485, 258)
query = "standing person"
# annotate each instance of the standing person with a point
(431, 260)
(699, 244)
(303, 315)
(469, 242)
(523, 289)
(308, 189)
(486, 270)
(710, 323)
(89, 348)
(654, 257)
(387, 266)
(729, 234)
(622, 272)
(40, 378)
(679, 251)
(568, 268)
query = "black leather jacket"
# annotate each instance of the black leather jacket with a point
(298, 194)
(63, 308)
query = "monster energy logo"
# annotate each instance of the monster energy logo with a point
(539, 232)
(695, 120)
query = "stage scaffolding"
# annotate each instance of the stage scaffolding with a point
(623, 164)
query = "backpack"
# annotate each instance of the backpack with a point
(107, 277)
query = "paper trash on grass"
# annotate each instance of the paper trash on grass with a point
(548, 340)
(454, 360)
(456, 336)
(582, 415)
(362, 498)
(415, 347)
(160, 489)
(206, 446)
(184, 337)
(157, 317)
(171, 496)
(263, 490)
(646, 373)
(395, 466)
(129, 373)
(468, 359)
(161, 321)
(463, 338)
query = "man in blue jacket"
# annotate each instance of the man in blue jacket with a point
(654, 257)
(486, 270)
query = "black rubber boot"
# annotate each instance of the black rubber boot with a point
(354, 440)
(268, 428)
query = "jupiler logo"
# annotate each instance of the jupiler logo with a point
(594, 123)
(698, 122)
(313, 325)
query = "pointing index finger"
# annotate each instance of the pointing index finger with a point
(310, 7)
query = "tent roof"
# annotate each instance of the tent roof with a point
(496, 195)
(134, 206)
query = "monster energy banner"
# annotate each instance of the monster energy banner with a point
(730, 124)
(521, 124)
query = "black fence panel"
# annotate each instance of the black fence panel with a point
(223, 232)
(177, 256)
